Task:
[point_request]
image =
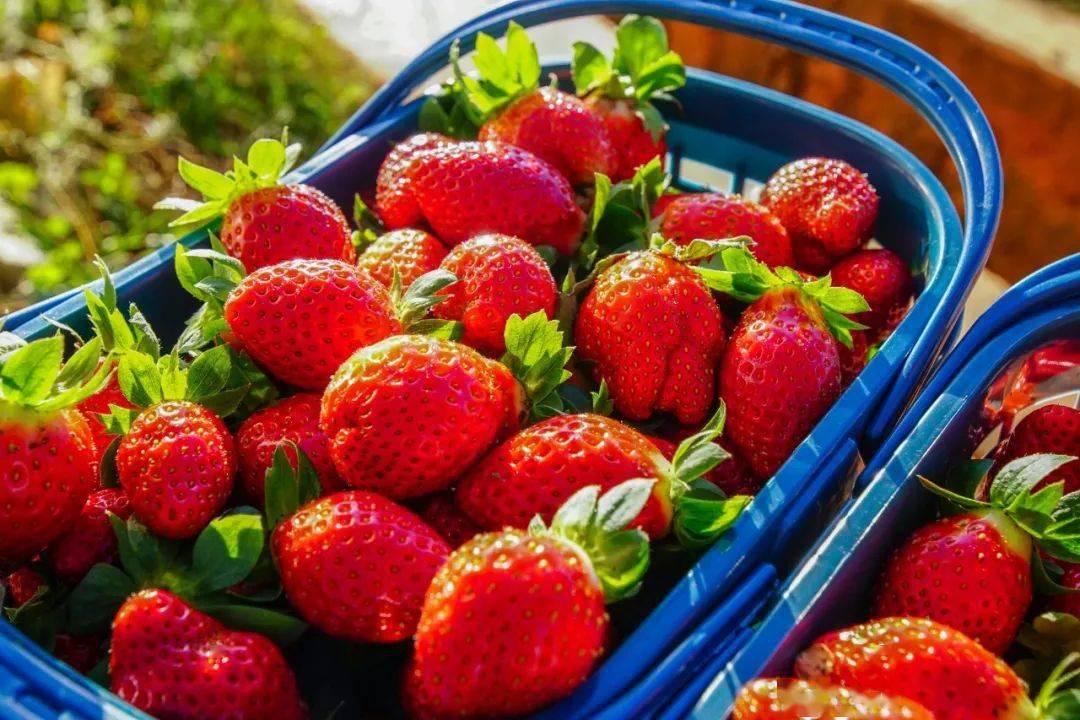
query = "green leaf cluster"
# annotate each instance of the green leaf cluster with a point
(34, 376)
(537, 356)
(621, 214)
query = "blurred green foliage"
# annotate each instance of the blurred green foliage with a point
(97, 98)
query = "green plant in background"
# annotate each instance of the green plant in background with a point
(98, 98)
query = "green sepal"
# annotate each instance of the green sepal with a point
(107, 475)
(412, 305)
(281, 628)
(1059, 696)
(35, 377)
(696, 249)
(225, 552)
(961, 501)
(117, 333)
(1048, 639)
(119, 419)
(537, 357)
(601, 400)
(744, 278)
(41, 616)
(267, 160)
(621, 214)
(9, 343)
(438, 329)
(1046, 575)
(368, 225)
(698, 454)
(288, 485)
(95, 600)
(596, 524)
(147, 559)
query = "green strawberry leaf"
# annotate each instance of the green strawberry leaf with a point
(953, 497)
(146, 558)
(589, 68)
(447, 110)
(29, 373)
(601, 400)
(95, 600)
(698, 454)
(697, 249)
(1059, 698)
(9, 343)
(439, 329)
(620, 217)
(283, 629)
(1049, 638)
(260, 389)
(227, 402)
(210, 183)
(173, 377)
(140, 379)
(640, 42)
(368, 225)
(421, 296)
(704, 513)
(537, 357)
(286, 488)
(226, 551)
(208, 374)
(119, 419)
(81, 365)
(107, 467)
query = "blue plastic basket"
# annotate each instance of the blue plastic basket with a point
(833, 587)
(747, 131)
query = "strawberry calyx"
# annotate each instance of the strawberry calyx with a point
(1049, 640)
(735, 272)
(413, 305)
(35, 381)
(368, 226)
(288, 485)
(595, 526)
(267, 161)
(643, 68)
(702, 511)
(1059, 696)
(537, 357)
(620, 217)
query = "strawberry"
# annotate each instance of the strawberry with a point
(176, 465)
(683, 218)
(732, 476)
(462, 189)
(797, 699)
(621, 90)
(1048, 429)
(1068, 602)
(942, 669)
(172, 661)
(454, 526)
(407, 415)
(265, 222)
(498, 276)
(50, 460)
(292, 420)
(781, 367)
(22, 585)
(884, 280)
(81, 652)
(654, 334)
(853, 359)
(973, 571)
(827, 206)
(356, 565)
(536, 470)
(515, 620)
(99, 404)
(411, 252)
(559, 128)
(90, 539)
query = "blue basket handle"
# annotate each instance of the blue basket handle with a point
(897, 64)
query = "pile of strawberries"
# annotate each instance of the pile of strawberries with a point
(458, 426)
(953, 599)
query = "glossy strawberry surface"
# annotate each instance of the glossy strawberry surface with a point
(883, 278)
(633, 144)
(1048, 429)
(447, 519)
(89, 539)
(784, 699)
(714, 216)
(97, 404)
(411, 252)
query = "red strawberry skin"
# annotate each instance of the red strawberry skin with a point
(971, 572)
(21, 585)
(294, 419)
(411, 252)
(285, 222)
(408, 415)
(49, 468)
(942, 669)
(780, 373)
(539, 468)
(558, 128)
(98, 404)
(1048, 429)
(81, 652)
(655, 334)
(714, 216)
(172, 661)
(511, 623)
(357, 565)
(176, 466)
(827, 206)
(854, 359)
(798, 700)
(469, 188)
(90, 539)
(498, 276)
(633, 143)
(302, 318)
(448, 520)
(882, 277)
(1068, 602)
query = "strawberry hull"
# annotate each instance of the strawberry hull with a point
(660, 631)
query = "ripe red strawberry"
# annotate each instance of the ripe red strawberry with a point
(1048, 429)
(90, 538)
(264, 222)
(853, 359)
(446, 518)
(883, 278)
(973, 571)
(621, 89)
(514, 621)
(797, 700)
(356, 565)
(49, 458)
(98, 404)
(654, 334)
(498, 276)
(21, 585)
(536, 470)
(467, 188)
(781, 368)
(713, 216)
(411, 252)
(172, 661)
(407, 415)
(176, 465)
(942, 669)
(294, 419)
(827, 206)
(81, 652)
(1068, 602)
(558, 128)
